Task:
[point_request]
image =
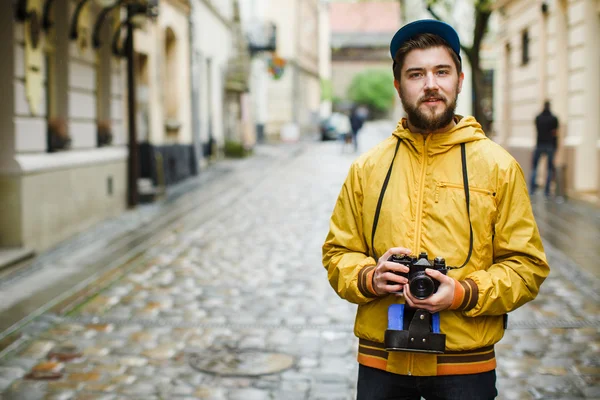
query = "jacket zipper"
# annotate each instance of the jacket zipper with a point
(455, 186)
(420, 197)
(418, 221)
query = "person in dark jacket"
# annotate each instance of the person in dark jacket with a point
(357, 119)
(546, 125)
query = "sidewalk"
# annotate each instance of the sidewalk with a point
(49, 278)
(573, 228)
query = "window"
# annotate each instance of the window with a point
(525, 47)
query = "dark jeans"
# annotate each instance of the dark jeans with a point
(375, 384)
(540, 150)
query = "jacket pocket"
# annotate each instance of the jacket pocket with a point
(446, 185)
(453, 221)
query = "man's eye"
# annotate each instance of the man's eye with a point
(415, 75)
(443, 72)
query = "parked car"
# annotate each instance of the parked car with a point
(335, 126)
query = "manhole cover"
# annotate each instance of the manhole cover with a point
(241, 362)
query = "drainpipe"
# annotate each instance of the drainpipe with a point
(133, 164)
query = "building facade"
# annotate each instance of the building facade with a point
(285, 81)
(325, 60)
(66, 154)
(80, 141)
(63, 154)
(163, 97)
(220, 69)
(549, 51)
(306, 88)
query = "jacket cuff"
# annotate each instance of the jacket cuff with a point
(365, 281)
(466, 294)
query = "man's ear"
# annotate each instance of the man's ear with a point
(397, 86)
(461, 78)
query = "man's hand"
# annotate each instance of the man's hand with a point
(384, 272)
(440, 300)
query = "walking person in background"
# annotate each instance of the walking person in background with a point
(438, 186)
(339, 121)
(357, 119)
(546, 125)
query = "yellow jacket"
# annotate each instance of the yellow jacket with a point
(424, 209)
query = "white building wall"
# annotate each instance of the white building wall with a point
(151, 42)
(173, 18)
(259, 87)
(118, 100)
(296, 96)
(563, 67)
(252, 12)
(82, 97)
(308, 62)
(148, 44)
(281, 92)
(213, 39)
(325, 66)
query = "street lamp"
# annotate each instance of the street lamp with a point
(112, 4)
(136, 14)
(147, 9)
(135, 10)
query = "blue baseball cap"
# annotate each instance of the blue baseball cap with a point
(433, 26)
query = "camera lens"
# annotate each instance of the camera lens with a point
(422, 287)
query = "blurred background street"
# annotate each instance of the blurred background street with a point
(168, 169)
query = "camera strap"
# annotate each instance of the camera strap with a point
(380, 201)
(463, 156)
(467, 199)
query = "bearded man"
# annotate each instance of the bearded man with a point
(437, 187)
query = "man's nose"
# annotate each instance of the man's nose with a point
(430, 81)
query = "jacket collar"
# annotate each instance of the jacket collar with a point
(467, 129)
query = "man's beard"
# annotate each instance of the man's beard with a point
(427, 121)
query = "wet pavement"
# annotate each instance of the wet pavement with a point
(571, 227)
(230, 301)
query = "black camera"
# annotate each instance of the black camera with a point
(421, 285)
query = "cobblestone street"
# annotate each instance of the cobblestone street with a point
(231, 301)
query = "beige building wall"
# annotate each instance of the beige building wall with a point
(214, 41)
(280, 93)
(47, 197)
(325, 64)
(308, 62)
(168, 74)
(564, 67)
(296, 96)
